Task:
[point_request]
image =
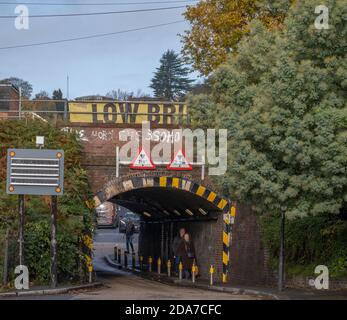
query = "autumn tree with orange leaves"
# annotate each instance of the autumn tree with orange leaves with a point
(217, 26)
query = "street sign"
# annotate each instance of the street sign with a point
(142, 161)
(179, 162)
(35, 172)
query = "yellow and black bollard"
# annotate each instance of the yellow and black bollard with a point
(133, 261)
(141, 262)
(159, 266)
(193, 271)
(150, 260)
(115, 250)
(90, 271)
(211, 275)
(180, 269)
(119, 256)
(169, 268)
(125, 259)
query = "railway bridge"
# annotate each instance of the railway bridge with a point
(224, 232)
(167, 192)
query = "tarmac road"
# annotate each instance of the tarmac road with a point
(121, 285)
(124, 285)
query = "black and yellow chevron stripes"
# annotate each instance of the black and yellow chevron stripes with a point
(165, 182)
(228, 220)
(227, 208)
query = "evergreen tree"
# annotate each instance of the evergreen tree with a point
(57, 95)
(171, 80)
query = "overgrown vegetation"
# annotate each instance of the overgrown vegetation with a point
(282, 96)
(75, 220)
(310, 241)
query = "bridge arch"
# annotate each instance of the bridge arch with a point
(168, 202)
(164, 193)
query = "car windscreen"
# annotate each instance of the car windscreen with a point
(132, 216)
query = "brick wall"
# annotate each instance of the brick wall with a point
(247, 254)
(206, 235)
(8, 92)
(99, 154)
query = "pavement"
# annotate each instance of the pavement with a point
(255, 291)
(124, 284)
(115, 283)
(120, 284)
(45, 290)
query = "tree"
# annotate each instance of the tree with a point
(42, 95)
(26, 87)
(57, 95)
(119, 95)
(217, 26)
(122, 95)
(171, 80)
(283, 99)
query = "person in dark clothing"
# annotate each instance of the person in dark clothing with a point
(129, 234)
(187, 252)
(175, 245)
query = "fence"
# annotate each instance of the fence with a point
(96, 111)
(8, 255)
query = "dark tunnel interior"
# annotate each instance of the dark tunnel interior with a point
(167, 204)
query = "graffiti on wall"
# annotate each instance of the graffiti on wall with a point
(160, 135)
(109, 135)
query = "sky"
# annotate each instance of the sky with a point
(94, 66)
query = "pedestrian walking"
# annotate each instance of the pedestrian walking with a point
(175, 246)
(129, 234)
(187, 252)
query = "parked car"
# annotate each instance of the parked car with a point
(129, 216)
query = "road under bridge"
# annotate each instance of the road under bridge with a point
(225, 233)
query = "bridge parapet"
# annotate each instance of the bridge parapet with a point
(98, 112)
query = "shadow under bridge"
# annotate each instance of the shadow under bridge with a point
(166, 204)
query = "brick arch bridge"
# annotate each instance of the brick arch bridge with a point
(166, 202)
(124, 191)
(171, 199)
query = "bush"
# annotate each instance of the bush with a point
(74, 218)
(309, 241)
(37, 252)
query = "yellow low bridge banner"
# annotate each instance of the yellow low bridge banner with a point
(127, 112)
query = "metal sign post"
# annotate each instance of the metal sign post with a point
(282, 253)
(5, 273)
(36, 172)
(21, 227)
(54, 213)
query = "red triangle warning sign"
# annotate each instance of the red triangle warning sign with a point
(142, 161)
(179, 162)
